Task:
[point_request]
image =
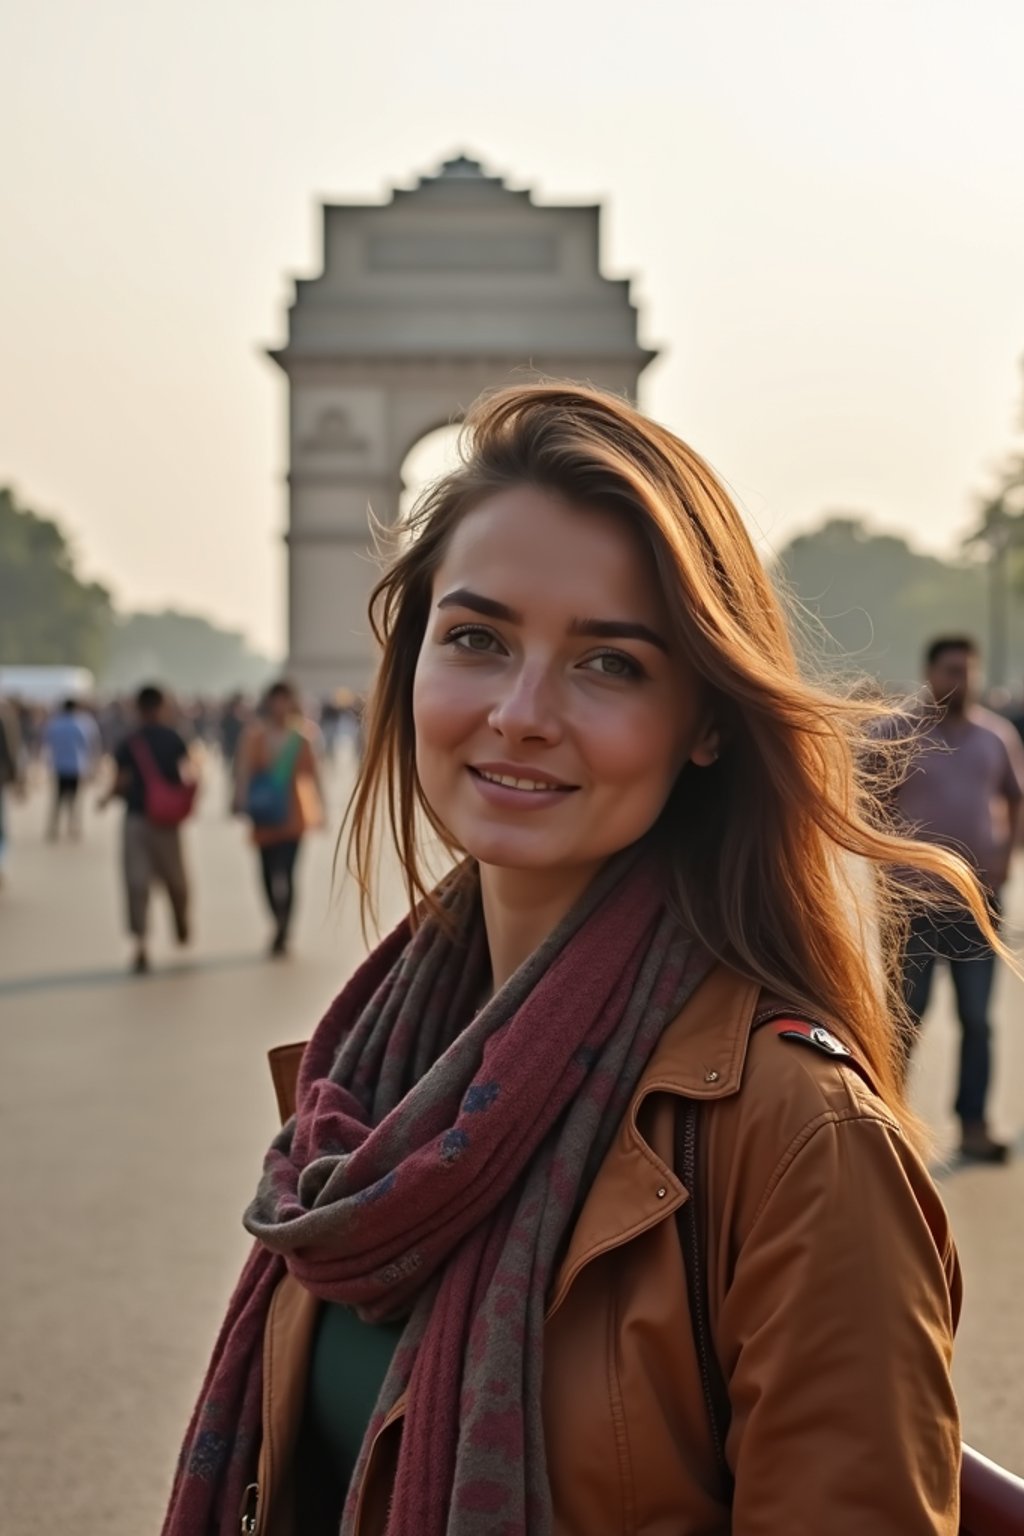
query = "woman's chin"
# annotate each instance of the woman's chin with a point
(508, 851)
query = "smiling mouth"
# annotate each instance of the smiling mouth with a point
(529, 785)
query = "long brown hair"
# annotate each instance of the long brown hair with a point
(782, 856)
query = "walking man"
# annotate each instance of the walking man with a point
(964, 791)
(157, 798)
(72, 741)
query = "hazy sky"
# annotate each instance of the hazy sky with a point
(821, 202)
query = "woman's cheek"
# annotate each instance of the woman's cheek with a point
(634, 747)
(444, 706)
(430, 701)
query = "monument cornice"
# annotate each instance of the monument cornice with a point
(408, 368)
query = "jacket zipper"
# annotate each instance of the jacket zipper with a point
(698, 1301)
(250, 1509)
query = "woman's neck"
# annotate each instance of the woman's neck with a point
(522, 907)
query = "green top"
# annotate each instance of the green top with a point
(349, 1363)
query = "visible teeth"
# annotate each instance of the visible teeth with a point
(510, 783)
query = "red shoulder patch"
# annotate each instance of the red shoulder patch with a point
(814, 1035)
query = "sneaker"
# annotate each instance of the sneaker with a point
(140, 965)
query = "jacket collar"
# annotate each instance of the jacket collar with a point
(702, 1052)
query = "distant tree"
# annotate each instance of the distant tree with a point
(999, 534)
(187, 652)
(1001, 510)
(866, 603)
(48, 614)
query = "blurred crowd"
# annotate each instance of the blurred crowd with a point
(149, 752)
(210, 723)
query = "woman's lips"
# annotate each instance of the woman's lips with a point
(508, 797)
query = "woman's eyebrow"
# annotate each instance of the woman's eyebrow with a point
(463, 598)
(617, 629)
(596, 629)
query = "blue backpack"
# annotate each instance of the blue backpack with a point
(268, 800)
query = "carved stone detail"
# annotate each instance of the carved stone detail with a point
(334, 433)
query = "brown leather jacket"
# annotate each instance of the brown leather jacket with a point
(833, 1292)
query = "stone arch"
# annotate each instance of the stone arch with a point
(455, 286)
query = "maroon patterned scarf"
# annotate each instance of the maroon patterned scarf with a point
(434, 1170)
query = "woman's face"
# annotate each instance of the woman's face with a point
(552, 713)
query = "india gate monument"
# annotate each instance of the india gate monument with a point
(450, 288)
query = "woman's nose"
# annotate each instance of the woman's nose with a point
(526, 708)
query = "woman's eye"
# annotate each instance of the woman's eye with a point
(614, 664)
(471, 638)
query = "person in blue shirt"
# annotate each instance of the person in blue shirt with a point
(72, 742)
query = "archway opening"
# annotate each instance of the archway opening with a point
(430, 457)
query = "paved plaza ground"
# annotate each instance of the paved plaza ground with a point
(134, 1113)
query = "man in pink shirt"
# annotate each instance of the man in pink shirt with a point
(964, 790)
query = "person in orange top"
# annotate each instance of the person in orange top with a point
(278, 787)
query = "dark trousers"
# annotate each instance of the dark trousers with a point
(65, 795)
(972, 966)
(277, 861)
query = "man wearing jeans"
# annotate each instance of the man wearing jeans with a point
(964, 791)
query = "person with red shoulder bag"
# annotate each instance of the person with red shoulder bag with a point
(159, 795)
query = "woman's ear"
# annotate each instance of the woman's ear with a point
(706, 747)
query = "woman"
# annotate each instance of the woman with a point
(586, 1222)
(277, 785)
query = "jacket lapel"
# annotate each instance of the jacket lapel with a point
(700, 1056)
